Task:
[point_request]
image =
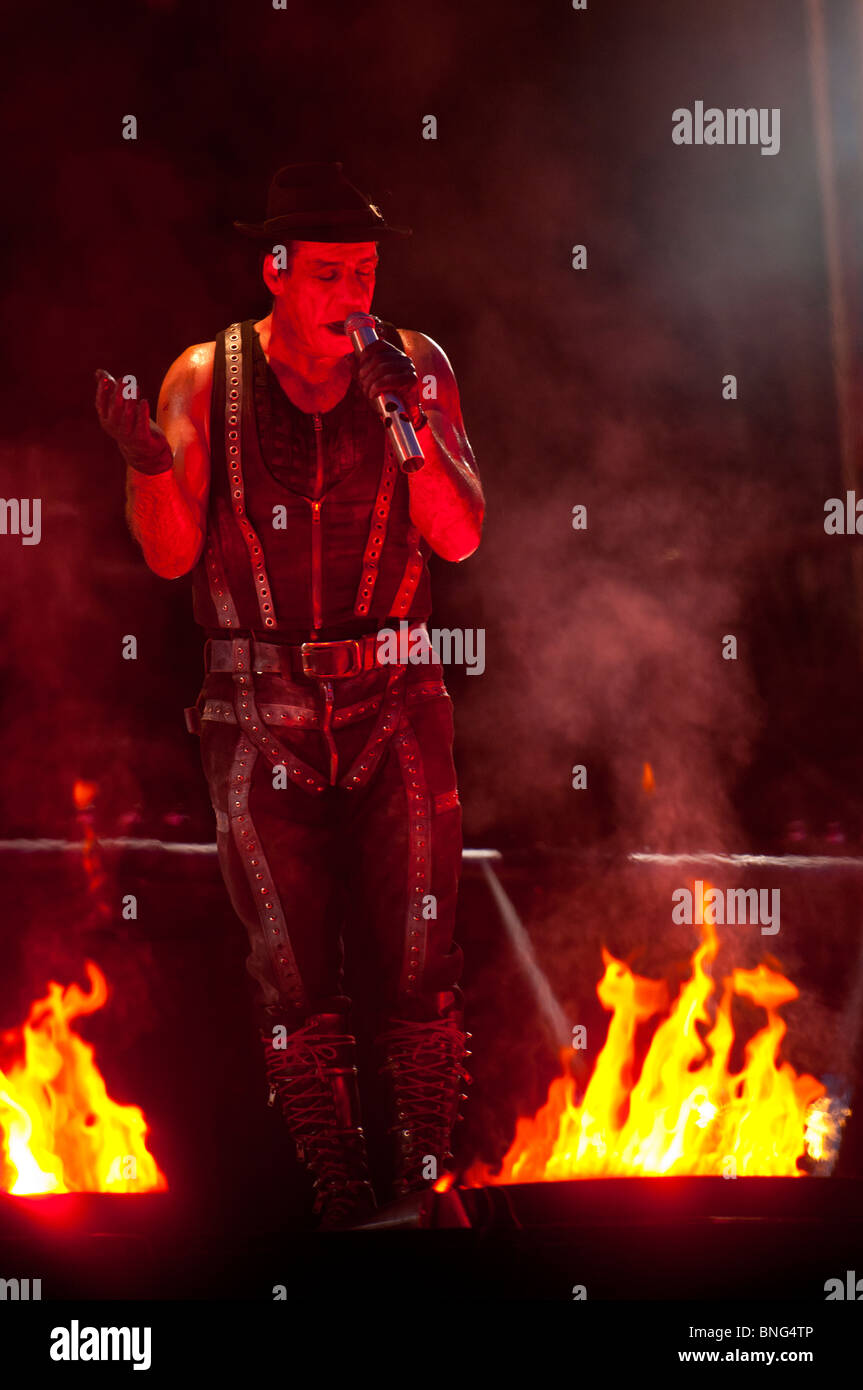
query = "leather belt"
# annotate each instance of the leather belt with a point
(351, 656)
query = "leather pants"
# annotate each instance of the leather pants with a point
(339, 836)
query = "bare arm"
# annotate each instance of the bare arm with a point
(446, 496)
(166, 510)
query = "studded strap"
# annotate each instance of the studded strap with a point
(220, 594)
(390, 713)
(264, 894)
(425, 690)
(295, 716)
(419, 857)
(410, 579)
(377, 534)
(234, 458)
(250, 719)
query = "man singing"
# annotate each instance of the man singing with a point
(271, 477)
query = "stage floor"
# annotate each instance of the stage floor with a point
(620, 1239)
(177, 1038)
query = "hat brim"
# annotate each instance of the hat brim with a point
(317, 231)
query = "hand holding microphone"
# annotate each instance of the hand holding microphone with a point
(388, 377)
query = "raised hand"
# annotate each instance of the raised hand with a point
(140, 440)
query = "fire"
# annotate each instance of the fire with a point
(685, 1113)
(84, 794)
(444, 1182)
(60, 1131)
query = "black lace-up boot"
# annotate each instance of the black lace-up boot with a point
(424, 1066)
(314, 1077)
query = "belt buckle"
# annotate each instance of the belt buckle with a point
(354, 668)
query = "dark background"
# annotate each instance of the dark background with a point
(600, 387)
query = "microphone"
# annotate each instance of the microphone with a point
(361, 330)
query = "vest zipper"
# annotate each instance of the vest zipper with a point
(317, 563)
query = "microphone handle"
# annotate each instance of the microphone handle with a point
(361, 330)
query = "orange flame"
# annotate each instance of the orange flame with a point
(59, 1129)
(685, 1114)
(648, 781)
(84, 794)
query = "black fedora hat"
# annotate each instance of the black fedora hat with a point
(315, 202)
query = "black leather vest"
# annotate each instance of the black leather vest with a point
(309, 530)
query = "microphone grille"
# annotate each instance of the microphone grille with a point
(359, 320)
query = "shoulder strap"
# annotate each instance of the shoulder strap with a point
(217, 410)
(237, 424)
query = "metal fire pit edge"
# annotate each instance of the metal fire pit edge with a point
(591, 1202)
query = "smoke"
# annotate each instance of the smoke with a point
(605, 644)
(598, 388)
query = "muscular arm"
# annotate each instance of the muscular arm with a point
(167, 512)
(446, 496)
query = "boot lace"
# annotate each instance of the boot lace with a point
(425, 1061)
(299, 1074)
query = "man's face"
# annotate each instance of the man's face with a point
(327, 281)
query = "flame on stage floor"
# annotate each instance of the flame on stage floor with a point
(60, 1131)
(684, 1113)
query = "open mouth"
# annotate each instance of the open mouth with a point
(337, 326)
